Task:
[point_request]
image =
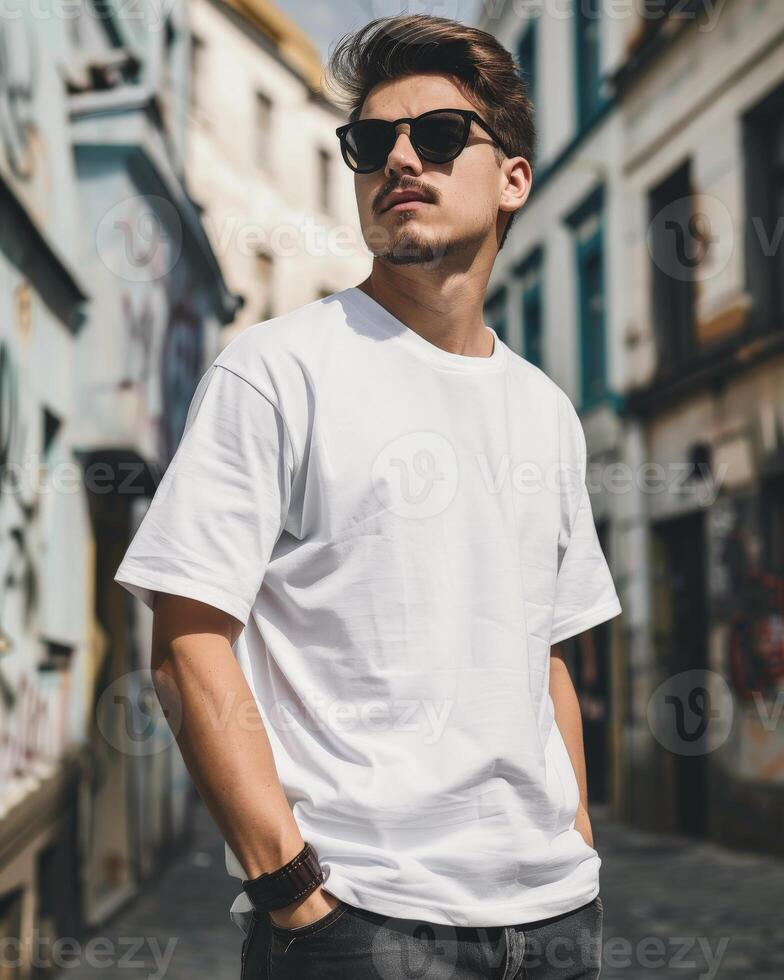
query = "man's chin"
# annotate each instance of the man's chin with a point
(410, 250)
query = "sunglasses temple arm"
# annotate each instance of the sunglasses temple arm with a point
(492, 133)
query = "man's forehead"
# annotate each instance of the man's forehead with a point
(411, 96)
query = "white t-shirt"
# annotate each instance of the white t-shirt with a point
(404, 531)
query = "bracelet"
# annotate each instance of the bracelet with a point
(276, 889)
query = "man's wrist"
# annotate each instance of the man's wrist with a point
(277, 889)
(274, 856)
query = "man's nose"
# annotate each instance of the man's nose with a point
(403, 153)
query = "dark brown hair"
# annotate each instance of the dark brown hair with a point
(412, 44)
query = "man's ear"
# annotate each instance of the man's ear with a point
(520, 180)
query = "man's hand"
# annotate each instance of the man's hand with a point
(582, 822)
(305, 910)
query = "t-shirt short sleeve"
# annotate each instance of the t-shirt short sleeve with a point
(221, 505)
(585, 593)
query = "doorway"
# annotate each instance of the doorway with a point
(680, 641)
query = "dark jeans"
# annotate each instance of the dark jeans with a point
(349, 943)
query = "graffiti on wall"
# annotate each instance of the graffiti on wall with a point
(18, 511)
(28, 733)
(18, 80)
(756, 638)
(139, 334)
(181, 368)
(32, 729)
(748, 597)
(163, 336)
(761, 745)
(174, 329)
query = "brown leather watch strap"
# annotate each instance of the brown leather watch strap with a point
(276, 889)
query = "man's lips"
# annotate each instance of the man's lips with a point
(401, 201)
(406, 205)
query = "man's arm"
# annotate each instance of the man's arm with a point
(223, 741)
(570, 724)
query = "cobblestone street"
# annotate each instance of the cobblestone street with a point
(673, 908)
(679, 908)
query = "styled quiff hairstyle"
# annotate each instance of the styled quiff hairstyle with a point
(413, 44)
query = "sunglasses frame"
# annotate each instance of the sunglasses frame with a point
(468, 115)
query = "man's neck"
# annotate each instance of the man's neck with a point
(448, 315)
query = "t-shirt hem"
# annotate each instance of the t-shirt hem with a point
(585, 621)
(478, 916)
(143, 586)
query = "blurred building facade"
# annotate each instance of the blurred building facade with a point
(645, 278)
(264, 161)
(111, 306)
(142, 148)
(702, 104)
(555, 297)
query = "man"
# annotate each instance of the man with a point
(373, 533)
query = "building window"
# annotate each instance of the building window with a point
(530, 272)
(264, 277)
(526, 57)
(495, 312)
(587, 17)
(587, 224)
(263, 130)
(673, 260)
(764, 151)
(325, 180)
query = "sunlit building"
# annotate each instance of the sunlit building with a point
(264, 161)
(645, 276)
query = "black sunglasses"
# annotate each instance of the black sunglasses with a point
(438, 136)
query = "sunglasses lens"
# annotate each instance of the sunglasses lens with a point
(367, 144)
(440, 137)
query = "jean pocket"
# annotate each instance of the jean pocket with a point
(246, 946)
(311, 928)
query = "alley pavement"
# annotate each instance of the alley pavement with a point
(673, 907)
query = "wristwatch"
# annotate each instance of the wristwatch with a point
(276, 889)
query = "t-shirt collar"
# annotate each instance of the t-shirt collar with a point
(421, 347)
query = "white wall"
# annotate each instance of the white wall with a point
(246, 204)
